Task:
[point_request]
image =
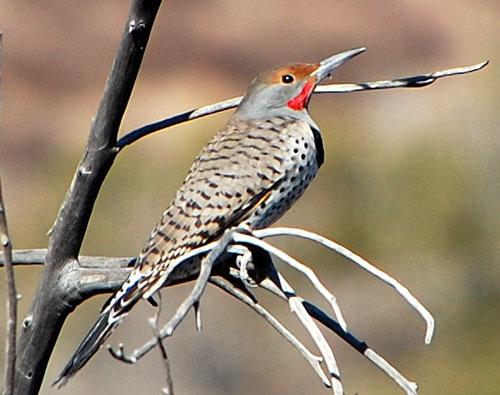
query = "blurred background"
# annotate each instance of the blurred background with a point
(411, 182)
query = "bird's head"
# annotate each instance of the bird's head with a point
(286, 90)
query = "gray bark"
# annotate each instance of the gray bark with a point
(59, 291)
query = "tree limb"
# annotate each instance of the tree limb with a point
(415, 81)
(10, 347)
(56, 298)
(119, 268)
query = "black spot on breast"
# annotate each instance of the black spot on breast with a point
(204, 195)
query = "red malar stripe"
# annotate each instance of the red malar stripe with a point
(299, 102)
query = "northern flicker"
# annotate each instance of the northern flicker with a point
(250, 173)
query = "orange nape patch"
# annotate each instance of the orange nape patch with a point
(300, 70)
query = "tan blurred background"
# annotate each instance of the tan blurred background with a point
(410, 181)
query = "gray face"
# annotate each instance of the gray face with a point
(270, 93)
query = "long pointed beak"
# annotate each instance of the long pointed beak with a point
(327, 65)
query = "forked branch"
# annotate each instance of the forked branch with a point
(275, 282)
(54, 300)
(314, 360)
(351, 256)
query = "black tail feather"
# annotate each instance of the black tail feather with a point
(88, 347)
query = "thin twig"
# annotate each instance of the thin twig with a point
(408, 386)
(177, 119)
(169, 390)
(312, 311)
(201, 283)
(312, 359)
(360, 346)
(10, 346)
(297, 308)
(348, 254)
(416, 81)
(307, 271)
(35, 256)
(197, 315)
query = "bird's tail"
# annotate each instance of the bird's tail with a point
(88, 347)
(113, 312)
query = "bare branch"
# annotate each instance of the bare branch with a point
(281, 288)
(143, 131)
(408, 386)
(91, 275)
(37, 256)
(119, 267)
(217, 249)
(195, 295)
(10, 346)
(297, 308)
(169, 390)
(69, 228)
(55, 298)
(26, 257)
(304, 309)
(307, 271)
(416, 81)
(313, 360)
(348, 254)
(276, 283)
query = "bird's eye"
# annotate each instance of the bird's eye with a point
(287, 78)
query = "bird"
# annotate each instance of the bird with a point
(249, 174)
